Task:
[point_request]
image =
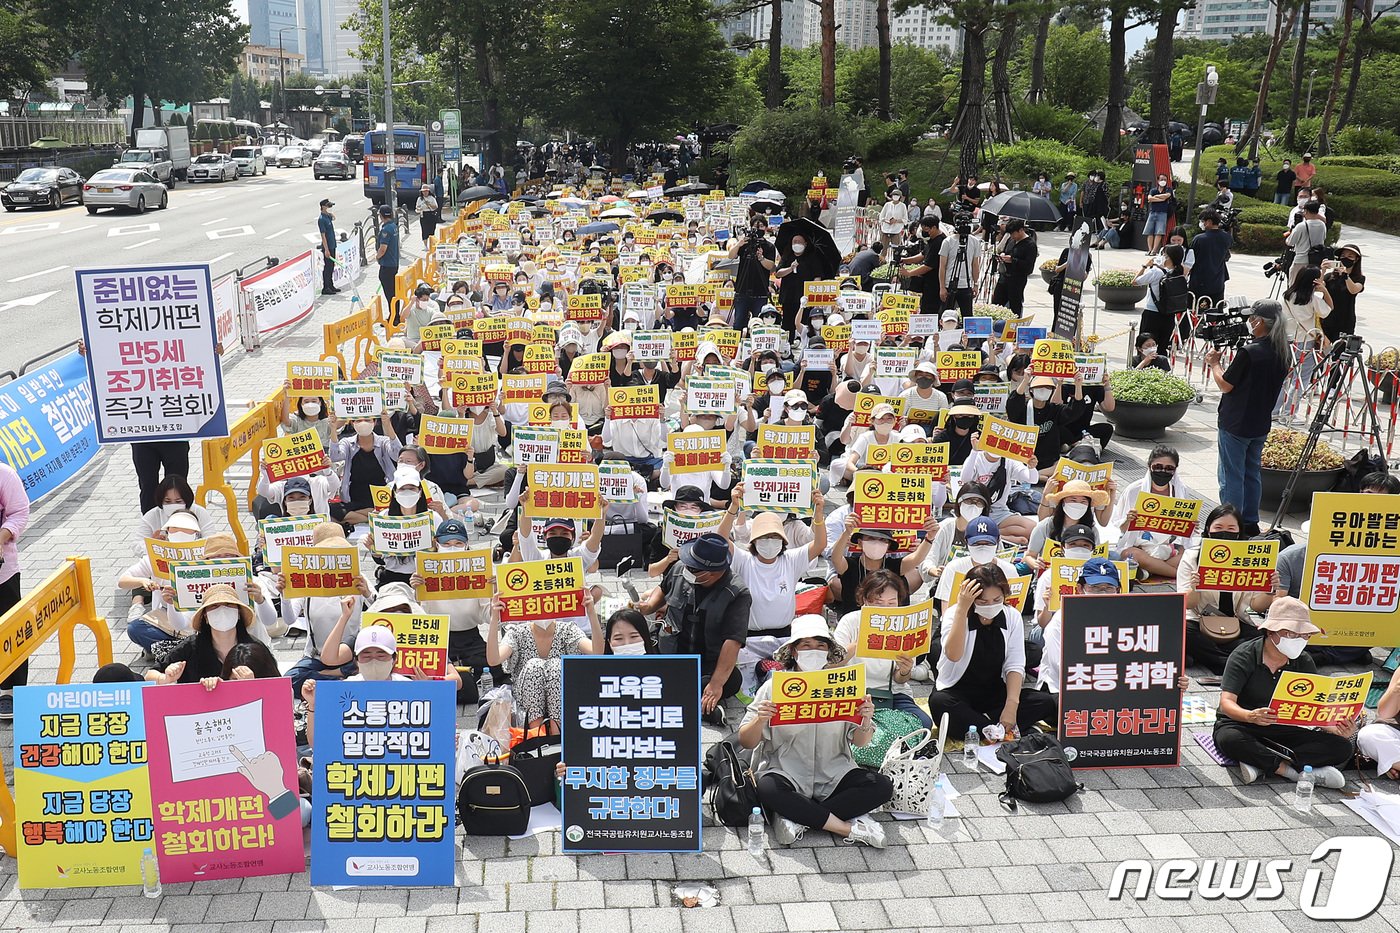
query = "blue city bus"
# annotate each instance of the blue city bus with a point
(414, 163)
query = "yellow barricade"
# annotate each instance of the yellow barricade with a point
(245, 438)
(358, 327)
(57, 606)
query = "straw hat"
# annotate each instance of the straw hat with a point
(1077, 487)
(221, 594)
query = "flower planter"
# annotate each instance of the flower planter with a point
(1272, 483)
(1135, 419)
(1047, 276)
(1384, 380)
(1121, 297)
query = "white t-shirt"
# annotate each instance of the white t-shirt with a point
(773, 586)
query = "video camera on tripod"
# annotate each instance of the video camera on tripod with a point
(1225, 327)
(1279, 267)
(960, 217)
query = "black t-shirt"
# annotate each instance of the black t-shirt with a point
(661, 378)
(1250, 681)
(365, 472)
(816, 384)
(855, 573)
(1050, 421)
(752, 277)
(982, 684)
(1342, 320)
(201, 660)
(1284, 181)
(1257, 374)
(831, 416)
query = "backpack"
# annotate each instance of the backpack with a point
(1318, 253)
(734, 793)
(493, 801)
(1036, 771)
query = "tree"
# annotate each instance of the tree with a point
(1117, 84)
(1365, 40)
(1234, 97)
(882, 37)
(1001, 78)
(1076, 66)
(1324, 143)
(1285, 17)
(1042, 31)
(916, 83)
(828, 47)
(1159, 92)
(1300, 62)
(30, 49)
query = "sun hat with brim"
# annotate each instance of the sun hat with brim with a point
(1078, 487)
(767, 523)
(881, 410)
(691, 495)
(330, 534)
(964, 411)
(618, 339)
(1099, 570)
(706, 553)
(1287, 614)
(183, 521)
(926, 366)
(810, 626)
(375, 636)
(873, 534)
(221, 594)
(395, 594)
(1042, 382)
(220, 545)
(1352, 247)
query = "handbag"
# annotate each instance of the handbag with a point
(890, 725)
(536, 759)
(1223, 629)
(734, 793)
(912, 777)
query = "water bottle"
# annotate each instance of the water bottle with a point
(1303, 795)
(150, 874)
(970, 747)
(469, 518)
(758, 834)
(937, 801)
(486, 682)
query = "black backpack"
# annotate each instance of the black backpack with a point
(493, 801)
(733, 793)
(1036, 771)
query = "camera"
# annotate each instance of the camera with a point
(960, 216)
(1280, 265)
(1226, 328)
(1346, 345)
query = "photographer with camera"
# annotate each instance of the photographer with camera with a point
(1248, 390)
(916, 269)
(1307, 240)
(959, 265)
(1344, 282)
(1017, 266)
(1211, 271)
(757, 260)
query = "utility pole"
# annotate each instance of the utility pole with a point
(389, 180)
(282, 71)
(1205, 96)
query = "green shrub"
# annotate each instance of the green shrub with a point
(1359, 140)
(1386, 163)
(1046, 121)
(1150, 387)
(1115, 278)
(1377, 213)
(1263, 212)
(1029, 157)
(1305, 137)
(788, 146)
(880, 139)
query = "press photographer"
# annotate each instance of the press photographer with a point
(757, 259)
(920, 271)
(959, 263)
(1017, 265)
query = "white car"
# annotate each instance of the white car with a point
(213, 166)
(133, 188)
(249, 159)
(270, 153)
(292, 156)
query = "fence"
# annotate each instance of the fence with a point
(18, 132)
(83, 161)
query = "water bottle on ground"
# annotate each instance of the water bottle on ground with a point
(1303, 795)
(758, 834)
(970, 744)
(486, 682)
(150, 874)
(937, 801)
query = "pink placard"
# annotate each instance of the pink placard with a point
(224, 780)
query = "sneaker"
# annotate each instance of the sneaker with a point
(865, 830)
(1328, 776)
(786, 831)
(136, 611)
(716, 717)
(7, 707)
(1248, 773)
(921, 673)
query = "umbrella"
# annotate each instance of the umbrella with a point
(48, 142)
(573, 202)
(771, 194)
(758, 184)
(618, 212)
(597, 228)
(659, 216)
(476, 192)
(1023, 204)
(766, 206)
(820, 245)
(609, 199)
(695, 188)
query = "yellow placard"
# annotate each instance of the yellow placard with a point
(1318, 700)
(162, 554)
(837, 337)
(320, 571)
(472, 388)
(538, 413)
(1053, 358)
(439, 435)
(634, 402)
(891, 633)
(538, 358)
(562, 490)
(298, 454)
(311, 377)
(590, 369)
(783, 442)
(1019, 589)
(455, 574)
(696, 451)
(829, 695)
(1165, 514)
(490, 329)
(900, 301)
(381, 496)
(1096, 475)
(866, 402)
(584, 307)
(892, 500)
(1064, 578)
(821, 293)
(468, 347)
(894, 322)
(1238, 566)
(432, 335)
(1351, 578)
(912, 458)
(540, 589)
(682, 296)
(518, 389)
(684, 344)
(1007, 439)
(421, 641)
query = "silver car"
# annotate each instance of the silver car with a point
(213, 166)
(292, 155)
(335, 163)
(131, 188)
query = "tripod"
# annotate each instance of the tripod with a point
(1346, 359)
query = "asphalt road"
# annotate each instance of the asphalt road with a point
(227, 224)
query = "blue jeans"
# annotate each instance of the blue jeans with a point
(145, 634)
(1238, 473)
(645, 465)
(1281, 198)
(312, 669)
(905, 704)
(745, 307)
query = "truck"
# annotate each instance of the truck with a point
(164, 151)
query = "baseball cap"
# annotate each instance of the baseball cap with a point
(375, 636)
(880, 410)
(982, 530)
(452, 530)
(327, 202)
(1099, 570)
(561, 524)
(950, 315)
(296, 484)
(386, 211)
(1079, 532)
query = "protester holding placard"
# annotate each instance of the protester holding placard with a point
(532, 656)
(1001, 477)
(147, 621)
(1071, 502)
(308, 413)
(1077, 542)
(1156, 552)
(366, 459)
(1217, 621)
(958, 431)
(887, 679)
(873, 546)
(715, 484)
(327, 620)
(924, 394)
(807, 776)
(882, 424)
(408, 501)
(1248, 730)
(173, 495)
(1097, 577)
(1050, 415)
(300, 495)
(266, 624)
(642, 441)
(221, 621)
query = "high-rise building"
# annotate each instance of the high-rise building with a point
(855, 26)
(269, 18)
(330, 42)
(266, 63)
(1226, 19)
(920, 26)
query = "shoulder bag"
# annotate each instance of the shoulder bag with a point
(913, 777)
(734, 793)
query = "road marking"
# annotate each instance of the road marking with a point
(273, 204)
(210, 223)
(29, 228)
(35, 275)
(312, 237)
(220, 258)
(311, 195)
(277, 234)
(29, 302)
(154, 239)
(76, 229)
(133, 228)
(227, 232)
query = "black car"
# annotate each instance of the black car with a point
(354, 147)
(43, 187)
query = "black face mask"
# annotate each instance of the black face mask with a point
(1160, 478)
(558, 545)
(1223, 535)
(923, 383)
(965, 424)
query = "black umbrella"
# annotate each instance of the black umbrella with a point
(658, 216)
(1023, 204)
(476, 192)
(758, 184)
(820, 244)
(695, 188)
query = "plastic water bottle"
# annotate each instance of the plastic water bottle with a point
(1303, 795)
(937, 801)
(150, 874)
(486, 682)
(758, 834)
(469, 518)
(970, 747)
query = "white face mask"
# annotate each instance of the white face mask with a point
(182, 535)
(799, 248)
(688, 576)
(768, 548)
(1291, 647)
(969, 511)
(619, 353)
(875, 550)
(297, 506)
(769, 367)
(635, 648)
(364, 428)
(1149, 351)
(169, 509)
(777, 388)
(541, 624)
(1078, 553)
(988, 612)
(224, 618)
(798, 414)
(1076, 510)
(561, 425)
(1042, 395)
(377, 670)
(982, 553)
(812, 660)
(407, 498)
(310, 409)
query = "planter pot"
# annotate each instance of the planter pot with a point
(1133, 419)
(1121, 297)
(1048, 277)
(1272, 481)
(1384, 381)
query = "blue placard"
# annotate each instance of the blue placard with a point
(1026, 336)
(384, 789)
(47, 429)
(974, 327)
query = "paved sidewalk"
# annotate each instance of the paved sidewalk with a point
(1046, 868)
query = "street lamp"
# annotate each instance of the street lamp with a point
(1308, 112)
(1205, 96)
(282, 71)
(389, 178)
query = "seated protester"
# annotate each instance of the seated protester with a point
(873, 546)
(367, 459)
(813, 383)
(716, 484)
(465, 645)
(766, 408)
(858, 363)
(1157, 553)
(1097, 577)
(407, 500)
(707, 612)
(1247, 730)
(261, 589)
(618, 346)
(661, 374)
(627, 634)
(640, 441)
(592, 402)
(328, 621)
(887, 681)
(148, 620)
(923, 395)
(1380, 741)
(688, 500)
(1148, 354)
(300, 495)
(971, 504)
(1050, 415)
(881, 431)
(570, 349)
(1216, 620)
(174, 495)
(560, 536)
(1078, 430)
(373, 660)
(308, 413)
(413, 458)
(1079, 542)
(959, 428)
(221, 621)
(983, 662)
(983, 541)
(1068, 505)
(456, 473)
(807, 777)
(1001, 477)
(532, 653)
(832, 417)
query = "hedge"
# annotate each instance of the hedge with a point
(1335, 178)
(1385, 163)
